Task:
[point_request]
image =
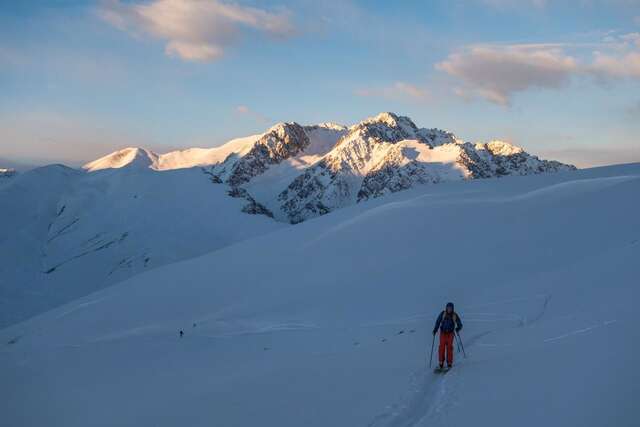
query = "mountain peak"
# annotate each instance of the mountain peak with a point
(329, 126)
(282, 130)
(385, 117)
(502, 148)
(390, 119)
(127, 157)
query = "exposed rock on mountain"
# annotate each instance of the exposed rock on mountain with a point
(293, 172)
(281, 142)
(253, 207)
(388, 153)
(6, 173)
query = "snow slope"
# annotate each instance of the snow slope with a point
(65, 233)
(328, 322)
(136, 157)
(132, 157)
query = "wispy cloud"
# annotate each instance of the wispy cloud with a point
(397, 90)
(497, 72)
(195, 30)
(621, 62)
(246, 111)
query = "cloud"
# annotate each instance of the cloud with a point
(622, 61)
(609, 66)
(497, 72)
(398, 90)
(631, 38)
(195, 30)
(246, 111)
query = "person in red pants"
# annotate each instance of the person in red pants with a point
(449, 323)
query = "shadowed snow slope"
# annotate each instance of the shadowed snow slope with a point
(328, 323)
(65, 233)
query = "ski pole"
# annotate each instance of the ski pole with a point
(458, 346)
(433, 341)
(461, 345)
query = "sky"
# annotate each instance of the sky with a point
(80, 79)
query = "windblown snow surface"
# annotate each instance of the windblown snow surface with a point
(328, 323)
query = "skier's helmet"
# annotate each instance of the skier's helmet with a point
(449, 304)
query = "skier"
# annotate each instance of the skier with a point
(448, 321)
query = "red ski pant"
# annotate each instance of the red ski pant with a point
(446, 344)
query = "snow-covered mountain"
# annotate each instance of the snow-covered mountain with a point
(135, 157)
(67, 232)
(377, 156)
(328, 323)
(294, 172)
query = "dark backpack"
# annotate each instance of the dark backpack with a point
(448, 323)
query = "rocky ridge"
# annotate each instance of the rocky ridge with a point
(293, 173)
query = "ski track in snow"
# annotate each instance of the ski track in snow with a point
(429, 396)
(79, 307)
(398, 321)
(432, 397)
(580, 331)
(266, 329)
(170, 331)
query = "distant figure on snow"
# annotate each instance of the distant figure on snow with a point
(448, 321)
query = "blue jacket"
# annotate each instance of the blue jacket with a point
(448, 322)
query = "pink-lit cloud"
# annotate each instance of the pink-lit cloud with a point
(246, 111)
(497, 72)
(195, 30)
